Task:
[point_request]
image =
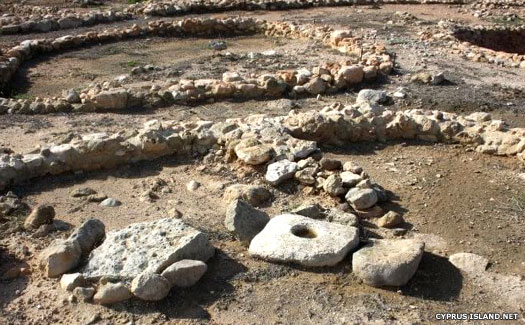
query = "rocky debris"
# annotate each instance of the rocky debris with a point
(83, 294)
(82, 192)
(60, 257)
(330, 164)
(150, 286)
(350, 166)
(280, 171)
(185, 273)
(391, 219)
(41, 215)
(361, 198)
(148, 247)
(193, 186)
(110, 202)
(297, 239)
(71, 281)
(388, 262)
(468, 262)
(88, 234)
(111, 293)
(313, 211)
(244, 220)
(252, 194)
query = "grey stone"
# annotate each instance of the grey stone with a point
(150, 286)
(297, 239)
(333, 185)
(83, 191)
(84, 294)
(361, 199)
(388, 262)
(371, 96)
(350, 179)
(343, 218)
(89, 234)
(280, 171)
(244, 220)
(146, 247)
(330, 164)
(390, 220)
(313, 211)
(72, 96)
(185, 273)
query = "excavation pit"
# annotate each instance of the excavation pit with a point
(507, 40)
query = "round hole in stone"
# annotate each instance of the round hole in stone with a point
(303, 231)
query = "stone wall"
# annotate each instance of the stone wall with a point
(293, 137)
(365, 60)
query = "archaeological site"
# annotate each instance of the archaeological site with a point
(262, 162)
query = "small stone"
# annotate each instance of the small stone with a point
(469, 263)
(60, 257)
(388, 262)
(333, 185)
(374, 212)
(97, 198)
(313, 211)
(244, 220)
(350, 179)
(352, 167)
(252, 194)
(111, 293)
(42, 214)
(438, 78)
(361, 199)
(371, 96)
(43, 231)
(83, 294)
(175, 213)
(71, 281)
(185, 273)
(110, 202)
(307, 175)
(150, 286)
(280, 171)
(72, 96)
(390, 220)
(88, 235)
(193, 186)
(83, 191)
(330, 164)
(343, 218)
(253, 152)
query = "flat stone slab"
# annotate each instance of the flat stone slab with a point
(388, 262)
(297, 239)
(146, 247)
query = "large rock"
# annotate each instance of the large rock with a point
(244, 220)
(112, 99)
(89, 234)
(301, 240)
(361, 198)
(146, 247)
(41, 215)
(60, 257)
(388, 262)
(253, 152)
(469, 263)
(150, 286)
(252, 194)
(280, 171)
(185, 273)
(111, 293)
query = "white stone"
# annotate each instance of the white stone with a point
(150, 286)
(280, 171)
(305, 241)
(146, 247)
(361, 198)
(388, 262)
(185, 273)
(350, 179)
(71, 281)
(469, 263)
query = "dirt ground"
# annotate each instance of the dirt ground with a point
(456, 199)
